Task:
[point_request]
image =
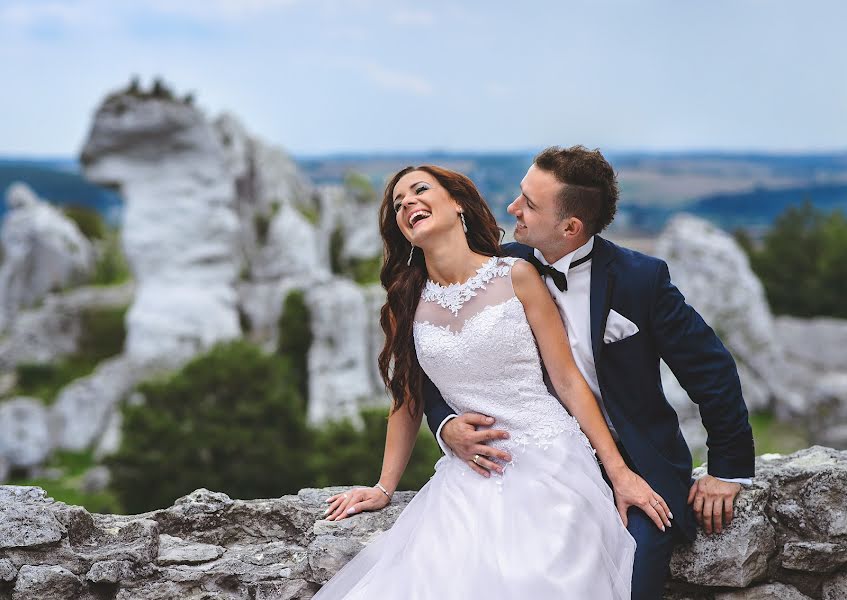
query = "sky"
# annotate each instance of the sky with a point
(332, 76)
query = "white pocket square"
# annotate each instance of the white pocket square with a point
(618, 328)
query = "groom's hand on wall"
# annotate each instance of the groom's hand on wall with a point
(712, 500)
(466, 441)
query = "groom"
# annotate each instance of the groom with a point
(622, 315)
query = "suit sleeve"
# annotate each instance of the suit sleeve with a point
(707, 371)
(435, 408)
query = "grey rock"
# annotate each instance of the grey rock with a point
(816, 557)
(25, 439)
(8, 572)
(174, 551)
(28, 525)
(820, 342)
(109, 571)
(835, 588)
(43, 251)
(95, 479)
(45, 583)
(769, 591)
(287, 589)
(22, 493)
(736, 557)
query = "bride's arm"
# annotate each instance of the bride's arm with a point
(399, 442)
(574, 393)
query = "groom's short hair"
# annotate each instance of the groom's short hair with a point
(590, 190)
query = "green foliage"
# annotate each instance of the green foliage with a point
(360, 188)
(362, 270)
(102, 334)
(365, 270)
(344, 455)
(771, 435)
(88, 220)
(111, 267)
(262, 224)
(310, 213)
(67, 487)
(295, 338)
(230, 421)
(803, 262)
(336, 248)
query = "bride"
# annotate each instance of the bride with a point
(544, 525)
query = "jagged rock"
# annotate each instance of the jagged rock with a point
(48, 332)
(8, 572)
(739, 555)
(820, 342)
(210, 545)
(84, 408)
(180, 228)
(340, 367)
(45, 583)
(42, 251)
(175, 551)
(815, 557)
(30, 526)
(25, 439)
(769, 591)
(835, 588)
(109, 571)
(714, 274)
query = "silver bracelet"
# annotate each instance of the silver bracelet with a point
(382, 489)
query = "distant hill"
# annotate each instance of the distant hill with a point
(731, 190)
(59, 181)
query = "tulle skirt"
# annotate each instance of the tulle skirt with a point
(546, 528)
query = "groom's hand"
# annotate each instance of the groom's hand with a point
(462, 437)
(712, 502)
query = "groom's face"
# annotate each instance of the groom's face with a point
(536, 209)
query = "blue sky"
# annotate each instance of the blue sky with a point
(390, 75)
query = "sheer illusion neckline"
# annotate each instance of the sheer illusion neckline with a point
(454, 295)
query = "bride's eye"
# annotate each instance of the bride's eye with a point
(421, 189)
(397, 206)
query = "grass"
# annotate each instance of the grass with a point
(773, 436)
(66, 488)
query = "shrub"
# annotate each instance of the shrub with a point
(232, 421)
(295, 338)
(112, 267)
(345, 455)
(88, 220)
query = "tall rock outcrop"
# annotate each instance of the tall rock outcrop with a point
(779, 361)
(788, 540)
(42, 251)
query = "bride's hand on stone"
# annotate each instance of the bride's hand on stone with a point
(354, 501)
(631, 490)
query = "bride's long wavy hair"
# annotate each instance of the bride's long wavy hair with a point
(398, 361)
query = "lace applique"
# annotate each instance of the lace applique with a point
(453, 296)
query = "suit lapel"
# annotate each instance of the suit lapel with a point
(602, 286)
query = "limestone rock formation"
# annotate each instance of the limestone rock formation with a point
(788, 540)
(791, 366)
(42, 251)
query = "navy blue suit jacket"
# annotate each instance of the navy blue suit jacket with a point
(639, 287)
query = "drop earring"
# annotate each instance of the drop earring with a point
(464, 225)
(411, 253)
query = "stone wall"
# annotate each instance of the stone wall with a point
(788, 541)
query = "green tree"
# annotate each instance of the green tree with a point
(346, 455)
(295, 338)
(231, 420)
(802, 262)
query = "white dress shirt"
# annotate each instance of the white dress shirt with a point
(574, 306)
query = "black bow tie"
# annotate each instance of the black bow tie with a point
(559, 278)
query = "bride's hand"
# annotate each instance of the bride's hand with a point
(631, 490)
(354, 501)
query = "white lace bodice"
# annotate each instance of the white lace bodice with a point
(474, 342)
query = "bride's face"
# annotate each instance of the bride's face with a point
(423, 207)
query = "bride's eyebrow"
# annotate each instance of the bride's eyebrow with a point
(411, 187)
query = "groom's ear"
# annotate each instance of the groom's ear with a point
(572, 227)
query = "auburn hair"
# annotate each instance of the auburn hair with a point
(398, 361)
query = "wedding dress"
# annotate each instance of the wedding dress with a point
(547, 527)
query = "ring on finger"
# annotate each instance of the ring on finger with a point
(476, 458)
(654, 503)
